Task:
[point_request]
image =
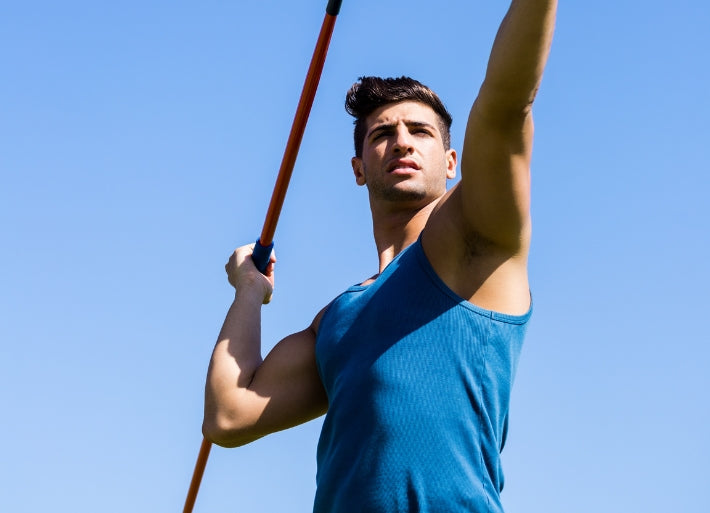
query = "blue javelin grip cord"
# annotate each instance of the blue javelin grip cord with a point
(261, 255)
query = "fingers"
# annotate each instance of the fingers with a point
(244, 276)
(242, 256)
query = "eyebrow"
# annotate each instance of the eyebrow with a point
(409, 124)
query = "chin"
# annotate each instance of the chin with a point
(404, 195)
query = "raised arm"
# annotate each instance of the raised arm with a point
(245, 397)
(478, 236)
(495, 183)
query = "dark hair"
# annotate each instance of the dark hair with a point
(370, 93)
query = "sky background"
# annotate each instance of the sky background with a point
(139, 144)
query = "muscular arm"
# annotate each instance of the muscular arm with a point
(245, 397)
(478, 237)
(495, 183)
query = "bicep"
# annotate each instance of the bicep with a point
(285, 391)
(287, 385)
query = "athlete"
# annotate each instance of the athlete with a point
(413, 367)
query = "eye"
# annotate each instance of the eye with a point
(379, 134)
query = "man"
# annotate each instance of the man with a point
(413, 366)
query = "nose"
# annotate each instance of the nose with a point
(402, 143)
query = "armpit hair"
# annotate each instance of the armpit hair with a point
(477, 245)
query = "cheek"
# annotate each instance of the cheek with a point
(373, 159)
(375, 152)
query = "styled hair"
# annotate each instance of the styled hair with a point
(370, 93)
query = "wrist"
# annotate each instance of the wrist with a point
(253, 290)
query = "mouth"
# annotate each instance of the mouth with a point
(402, 166)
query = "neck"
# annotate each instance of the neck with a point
(395, 229)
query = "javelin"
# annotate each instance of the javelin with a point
(265, 243)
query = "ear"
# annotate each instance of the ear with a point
(451, 160)
(358, 170)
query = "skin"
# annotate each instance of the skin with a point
(476, 236)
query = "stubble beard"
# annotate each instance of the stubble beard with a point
(393, 194)
(397, 192)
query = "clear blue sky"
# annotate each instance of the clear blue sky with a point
(139, 143)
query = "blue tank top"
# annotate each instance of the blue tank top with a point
(418, 383)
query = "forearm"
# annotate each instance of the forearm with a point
(519, 54)
(235, 360)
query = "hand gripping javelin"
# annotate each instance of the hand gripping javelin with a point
(265, 243)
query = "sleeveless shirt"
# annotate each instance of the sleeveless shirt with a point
(418, 383)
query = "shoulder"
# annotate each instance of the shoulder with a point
(325, 312)
(315, 324)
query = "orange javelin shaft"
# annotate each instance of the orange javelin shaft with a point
(262, 250)
(297, 130)
(197, 475)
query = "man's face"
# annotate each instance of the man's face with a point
(403, 157)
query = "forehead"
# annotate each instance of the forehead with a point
(407, 111)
